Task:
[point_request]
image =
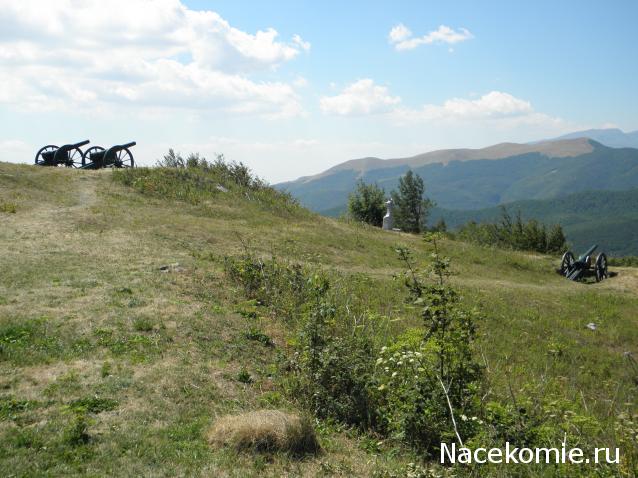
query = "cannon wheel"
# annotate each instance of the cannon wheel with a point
(124, 159)
(48, 148)
(75, 158)
(86, 157)
(566, 263)
(601, 267)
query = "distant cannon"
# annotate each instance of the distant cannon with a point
(68, 156)
(118, 156)
(579, 269)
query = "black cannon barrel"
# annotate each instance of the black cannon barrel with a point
(124, 146)
(81, 143)
(589, 252)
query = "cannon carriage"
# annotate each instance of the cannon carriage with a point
(118, 156)
(67, 156)
(578, 269)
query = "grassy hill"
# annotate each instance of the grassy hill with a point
(123, 339)
(607, 218)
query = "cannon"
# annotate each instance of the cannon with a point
(118, 156)
(69, 155)
(582, 267)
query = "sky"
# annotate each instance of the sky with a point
(292, 88)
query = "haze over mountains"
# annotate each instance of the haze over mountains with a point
(461, 181)
(612, 137)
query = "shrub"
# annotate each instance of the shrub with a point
(265, 431)
(366, 204)
(283, 287)
(429, 384)
(331, 373)
(93, 404)
(629, 261)
(76, 432)
(257, 335)
(332, 360)
(514, 233)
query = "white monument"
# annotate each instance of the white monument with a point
(388, 219)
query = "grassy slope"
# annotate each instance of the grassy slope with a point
(85, 312)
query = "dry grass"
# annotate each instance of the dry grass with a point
(79, 268)
(265, 431)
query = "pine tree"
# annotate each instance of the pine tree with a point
(556, 241)
(410, 206)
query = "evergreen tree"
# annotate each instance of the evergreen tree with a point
(367, 204)
(410, 206)
(556, 241)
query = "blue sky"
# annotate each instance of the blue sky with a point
(330, 85)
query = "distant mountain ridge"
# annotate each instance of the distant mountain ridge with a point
(612, 137)
(550, 148)
(481, 178)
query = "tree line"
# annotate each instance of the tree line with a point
(412, 208)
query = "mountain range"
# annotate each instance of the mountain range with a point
(612, 137)
(466, 183)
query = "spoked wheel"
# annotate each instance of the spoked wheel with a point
(50, 148)
(601, 267)
(74, 159)
(566, 263)
(86, 157)
(123, 159)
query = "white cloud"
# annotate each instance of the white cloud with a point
(401, 37)
(495, 104)
(362, 97)
(496, 109)
(399, 33)
(64, 54)
(304, 45)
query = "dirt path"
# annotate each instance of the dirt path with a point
(49, 225)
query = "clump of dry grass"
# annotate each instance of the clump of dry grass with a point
(265, 431)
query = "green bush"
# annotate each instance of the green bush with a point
(332, 371)
(516, 234)
(331, 362)
(629, 261)
(367, 204)
(282, 287)
(431, 384)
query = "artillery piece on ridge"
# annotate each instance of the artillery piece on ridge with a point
(67, 156)
(118, 156)
(577, 269)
